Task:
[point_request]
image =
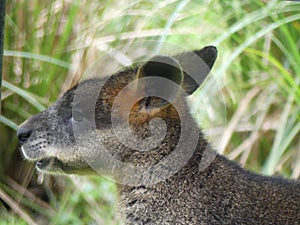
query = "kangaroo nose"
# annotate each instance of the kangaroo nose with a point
(23, 134)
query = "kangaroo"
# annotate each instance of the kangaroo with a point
(136, 127)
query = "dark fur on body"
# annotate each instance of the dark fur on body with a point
(221, 193)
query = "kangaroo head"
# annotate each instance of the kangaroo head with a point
(133, 116)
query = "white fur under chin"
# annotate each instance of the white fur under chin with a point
(25, 155)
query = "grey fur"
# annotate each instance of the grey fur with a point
(72, 137)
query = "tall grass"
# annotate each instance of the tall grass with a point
(49, 44)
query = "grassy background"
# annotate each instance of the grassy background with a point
(49, 44)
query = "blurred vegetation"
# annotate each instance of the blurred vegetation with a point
(49, 44)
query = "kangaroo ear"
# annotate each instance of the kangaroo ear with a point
(160, 78)
(196, 66)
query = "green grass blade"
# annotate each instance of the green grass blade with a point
(285, 134)
(24, 94)
(218, 73)
(287, 82)
(169, 24)
(44, 58)
(254, 17)
(8, 122)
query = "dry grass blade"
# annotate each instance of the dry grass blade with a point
(29, 195)
(237, 116)
(296, 169)
(16, 207)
